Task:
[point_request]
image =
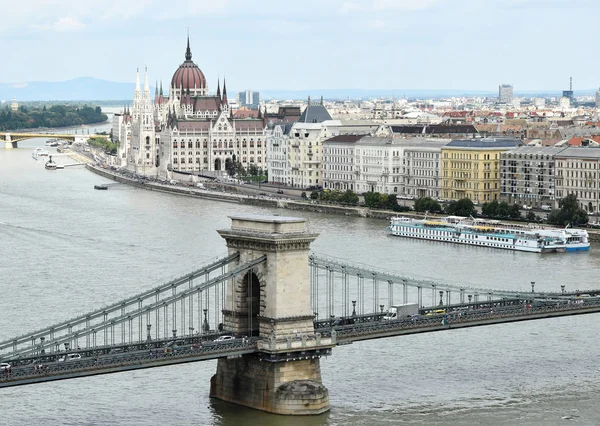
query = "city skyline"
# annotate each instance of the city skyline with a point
(372, 44)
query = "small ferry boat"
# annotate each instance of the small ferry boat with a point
(50, 165)
(491, 233)
(52, 143)
(101, 186)
(39, 152)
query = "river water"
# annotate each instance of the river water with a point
(67, 249)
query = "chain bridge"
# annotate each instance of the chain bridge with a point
(267, 311)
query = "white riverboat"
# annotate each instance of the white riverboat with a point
(490, 233)
(39, 152)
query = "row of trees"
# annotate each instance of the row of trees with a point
(54, 116)
(568, 212)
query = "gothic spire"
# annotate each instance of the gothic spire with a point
(188, 52)
(219, 88)
(224, 93)
(137, 80)
(161, 90)
(146, 84)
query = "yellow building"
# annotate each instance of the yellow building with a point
(471, 168)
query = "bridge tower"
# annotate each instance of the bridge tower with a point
(273, 302)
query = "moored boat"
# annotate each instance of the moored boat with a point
(101, 186)
(39, 152)
(490, 233)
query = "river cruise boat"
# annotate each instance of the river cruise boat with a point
(490, 233)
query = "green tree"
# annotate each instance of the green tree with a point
(490, 209)
(427, 204)
(348, 197)
(568, 212)
(372, 199)
(462, 207)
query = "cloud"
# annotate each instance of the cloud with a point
(350, 6)
(65, 24)
(377, 24)
(405, 4)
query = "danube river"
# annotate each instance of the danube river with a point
(67, 249)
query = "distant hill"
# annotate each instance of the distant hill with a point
(89, 88)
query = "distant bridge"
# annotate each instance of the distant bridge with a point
(266, 306)
(11, 139)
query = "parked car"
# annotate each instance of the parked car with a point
(5, 366)
(279, 191)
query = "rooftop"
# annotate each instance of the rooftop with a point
(485, 143)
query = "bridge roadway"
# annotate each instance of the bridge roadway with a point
(201, 348)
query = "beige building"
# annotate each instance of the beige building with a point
(578, 172)
(471, 168)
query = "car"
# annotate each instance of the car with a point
(5, 366)
(279, 191)
(224, 339)
(70, 357)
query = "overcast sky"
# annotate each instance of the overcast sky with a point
(308, 44)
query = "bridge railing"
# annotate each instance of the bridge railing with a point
(162, 314)
(150, 355)
(104, 312)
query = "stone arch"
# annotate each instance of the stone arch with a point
(228, 165)
(250, 303)
(217, 164)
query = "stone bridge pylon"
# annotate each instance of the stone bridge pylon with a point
(273, 302)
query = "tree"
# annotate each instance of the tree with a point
(568, 212)
(462, 207)
(427, 204)
(490, 209)
(372, 199)
(348, 197)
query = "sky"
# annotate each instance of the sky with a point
(308, 44)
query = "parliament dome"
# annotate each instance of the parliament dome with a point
(188, 76)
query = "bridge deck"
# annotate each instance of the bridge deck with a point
(36, 371)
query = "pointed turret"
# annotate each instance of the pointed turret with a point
(146, 84)
(137, 80)
(156, 92)
(321, 99)
(259, 112)
(219, 88)
(224, 101)
(161, 89)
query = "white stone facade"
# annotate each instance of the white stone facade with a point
(188, 130)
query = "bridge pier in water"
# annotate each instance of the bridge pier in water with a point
(273, 302)
(8, 143)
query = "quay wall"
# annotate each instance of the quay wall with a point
(268, 202)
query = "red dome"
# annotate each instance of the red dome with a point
(188, 75)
